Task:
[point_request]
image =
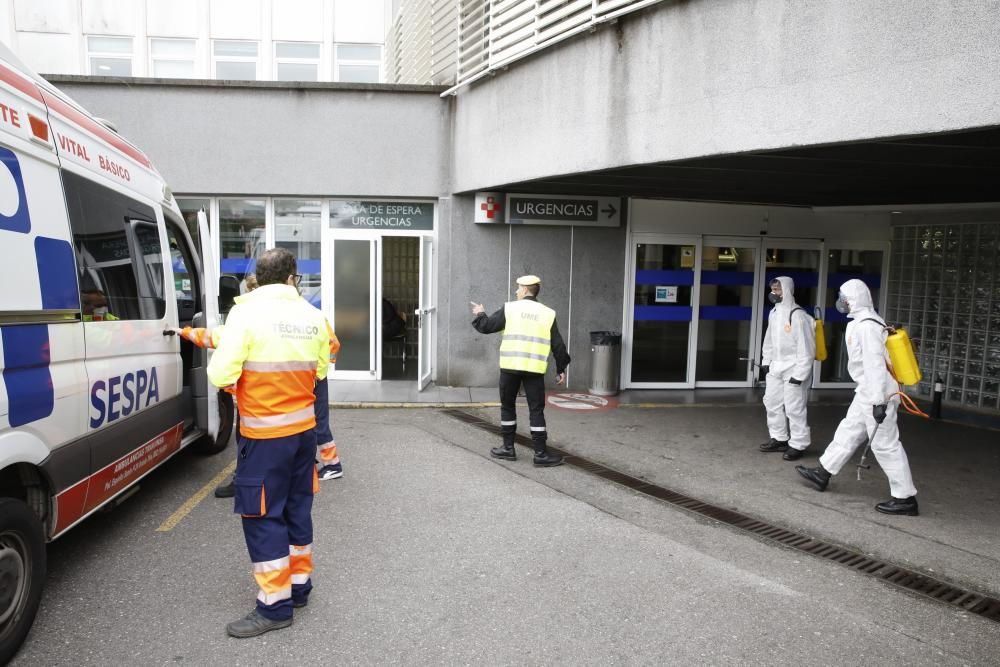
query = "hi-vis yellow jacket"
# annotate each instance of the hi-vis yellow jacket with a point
(204, 338)
(526, 341)
(274, 347)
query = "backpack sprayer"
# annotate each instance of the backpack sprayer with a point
(904, 369)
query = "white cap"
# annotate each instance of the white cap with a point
(529, 280)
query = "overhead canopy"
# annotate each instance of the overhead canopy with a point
(930, 169)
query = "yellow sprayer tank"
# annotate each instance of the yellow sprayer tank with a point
(820, 336)
(904, 362)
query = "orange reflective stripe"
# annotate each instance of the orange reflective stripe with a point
(328, 452)
(315, 481)
(300, 563)
(263, 501)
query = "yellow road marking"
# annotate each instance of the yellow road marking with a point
(193, 501)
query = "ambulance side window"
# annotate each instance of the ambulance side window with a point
(118, 253)
(186, 285)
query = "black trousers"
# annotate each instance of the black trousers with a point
(534, 390)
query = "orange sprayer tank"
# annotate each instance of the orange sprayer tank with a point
(820, 336)
(904, 362)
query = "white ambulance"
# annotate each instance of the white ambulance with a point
(96, 263)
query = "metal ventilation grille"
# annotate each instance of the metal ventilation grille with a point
(967, 600)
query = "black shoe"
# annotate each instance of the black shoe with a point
(901, 506)
(773, 445)
(298, 604)
(504, 452)
(547, 460)
(793, 454)
(817, 476)
(226, 490)
(254, 624)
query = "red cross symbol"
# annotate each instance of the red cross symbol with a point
(491, 207)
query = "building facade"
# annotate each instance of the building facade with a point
(727, 142)
(265, 40)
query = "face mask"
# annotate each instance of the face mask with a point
(774, 298)
(842, 306)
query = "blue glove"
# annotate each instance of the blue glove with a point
(878, 412)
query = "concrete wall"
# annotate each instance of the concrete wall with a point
(480, 262)
(272, 139)
(696, 78)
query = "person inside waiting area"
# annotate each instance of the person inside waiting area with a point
(393, 323)
(94, 305)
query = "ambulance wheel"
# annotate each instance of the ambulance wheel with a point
(207, 445)
(22, 573)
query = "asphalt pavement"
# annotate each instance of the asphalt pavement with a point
(429, 552)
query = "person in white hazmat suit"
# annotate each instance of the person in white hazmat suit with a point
(875, 404)
(788, 353)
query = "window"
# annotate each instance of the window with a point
(171, 58)
(297, 227)
(296, 61)
(186, 286)
(234, 60)
(118, 253)
(109, 56)
(359, 63)
(241, 236)
(189, 210)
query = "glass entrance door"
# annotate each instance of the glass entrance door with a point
(728, 307)
(659, 351)
(350, 304)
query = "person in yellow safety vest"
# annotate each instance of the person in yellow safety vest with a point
(274, 347)
(326, 447)
(529, 335)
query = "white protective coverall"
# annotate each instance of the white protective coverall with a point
(789, 350)
(868, 365)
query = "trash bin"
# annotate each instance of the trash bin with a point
(605, 362)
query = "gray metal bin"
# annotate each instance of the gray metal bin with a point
(605, 362)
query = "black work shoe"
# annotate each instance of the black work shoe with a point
(793, 454)
(507, 454)
(817, 476)
(547, 460)
(901, 506)
(298, 604)
(226, 490)
(254, 624)
(773, 445)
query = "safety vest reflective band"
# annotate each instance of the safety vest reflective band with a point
(527, 336)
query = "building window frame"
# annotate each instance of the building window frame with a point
(228, 58)
(155, 59)
(125, 55)
(338, 60)
(280, 60)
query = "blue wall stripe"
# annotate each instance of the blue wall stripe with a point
(26, 375)
(800, 278)
(742, 278)
(727, 313)
(242, 265)
(662, 313)
(56, 273)
(648, 277)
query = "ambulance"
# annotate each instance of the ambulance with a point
(96, 266)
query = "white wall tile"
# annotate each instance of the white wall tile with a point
(109, 17)
(236, 19)
(298, 20)
(47, 16)
(48, 53)
(172, 18)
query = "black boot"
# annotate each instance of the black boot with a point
(793, 454)
(773, 445)
(817, 476)
(544, 458)
(900, 506)
(227, 490)
(254, 624)
(505, 451)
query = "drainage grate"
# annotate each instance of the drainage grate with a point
(969, 601)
